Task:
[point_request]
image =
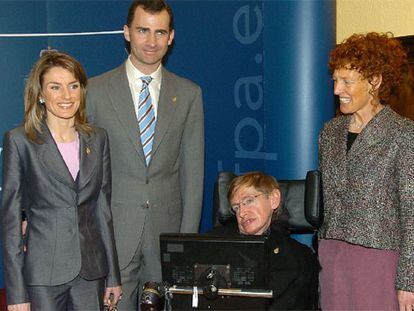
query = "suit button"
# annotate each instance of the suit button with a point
(70, 231)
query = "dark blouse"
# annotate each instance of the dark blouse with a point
(350, 140)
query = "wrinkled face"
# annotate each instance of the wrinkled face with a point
(61, 92)
(254, 217)
(149, 36)
(352, 90)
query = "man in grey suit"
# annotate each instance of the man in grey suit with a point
(157, 189)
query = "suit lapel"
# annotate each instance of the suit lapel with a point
(371, 135)
(167, 105)
(52, 161)
(88, 160)
(338, 154)
(121, 100)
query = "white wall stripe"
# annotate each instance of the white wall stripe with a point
(17, 35)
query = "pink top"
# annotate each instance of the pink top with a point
(70, 154)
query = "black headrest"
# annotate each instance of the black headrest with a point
(301, 201)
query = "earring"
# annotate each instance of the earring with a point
(41, 101)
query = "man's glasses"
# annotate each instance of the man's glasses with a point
(246, 202)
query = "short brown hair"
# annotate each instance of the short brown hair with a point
(261, 182)
(151, 6)
(35, 113)
(373, 54)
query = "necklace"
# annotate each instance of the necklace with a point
(354, 123)
(375, 109)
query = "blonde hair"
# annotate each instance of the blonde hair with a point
(34, 111)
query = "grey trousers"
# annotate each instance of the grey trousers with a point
(78, 294)
(145, 266)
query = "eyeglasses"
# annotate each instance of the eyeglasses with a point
(247, 202)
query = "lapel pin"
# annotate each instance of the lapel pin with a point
(87, 150)
(174, 99)
(276, 250)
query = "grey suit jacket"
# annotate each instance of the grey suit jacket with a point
(69, 229)
(369, 191)
(167, 193)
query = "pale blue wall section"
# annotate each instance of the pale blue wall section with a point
(298, 36)
(17, 55)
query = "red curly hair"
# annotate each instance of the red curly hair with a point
(373, 54)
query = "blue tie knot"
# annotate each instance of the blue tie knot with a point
(146, 79)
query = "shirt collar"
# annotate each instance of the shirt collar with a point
(134, 74)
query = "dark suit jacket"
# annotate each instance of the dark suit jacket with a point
(165, 196)
(69, 229)
(293, 270)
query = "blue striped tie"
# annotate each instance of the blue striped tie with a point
(146, 118)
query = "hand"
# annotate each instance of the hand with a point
(112, 296)
(19, 307)
(405, 300)
(24, 229)
(24, 226)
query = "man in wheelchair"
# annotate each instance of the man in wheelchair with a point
(255, 199)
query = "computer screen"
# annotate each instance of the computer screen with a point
(232, 261)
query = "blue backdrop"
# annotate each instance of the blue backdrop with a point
(261, 65)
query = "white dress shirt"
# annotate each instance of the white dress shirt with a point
(135, 84)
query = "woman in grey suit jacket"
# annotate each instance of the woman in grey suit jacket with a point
(57, 169)
(367, 163)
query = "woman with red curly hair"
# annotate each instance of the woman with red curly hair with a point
(366, 157)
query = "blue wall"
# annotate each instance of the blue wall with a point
(298, 90)
(261, 64)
